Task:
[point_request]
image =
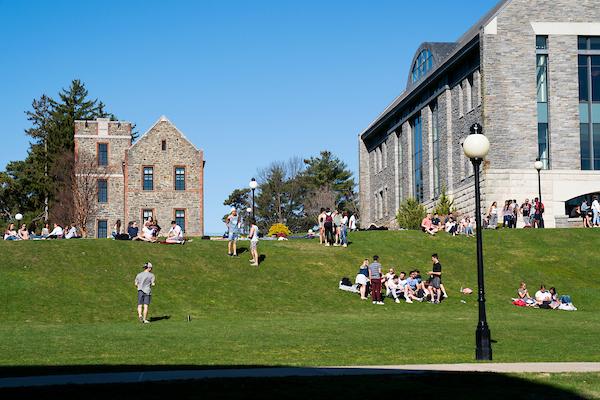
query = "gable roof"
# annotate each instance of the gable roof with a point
(446, 52)
(164, 119)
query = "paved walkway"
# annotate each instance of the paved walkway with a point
(154, 376)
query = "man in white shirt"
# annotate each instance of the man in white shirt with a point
(72, 233)
(596, 211)
(352, 223)
(175, 234)
(543, 298)
(57, 232)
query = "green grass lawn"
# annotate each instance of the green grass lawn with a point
(72, 303)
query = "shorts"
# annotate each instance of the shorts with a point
(253, 244)
(232, 236)
(143, 298)
(361, 279)
(436, 281)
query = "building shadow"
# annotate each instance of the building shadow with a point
(356, 383)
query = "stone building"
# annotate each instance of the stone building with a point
(529, 73)
(159, 176)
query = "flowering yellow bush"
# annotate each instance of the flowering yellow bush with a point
(279, 230)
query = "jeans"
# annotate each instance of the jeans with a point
(493, 221)
(329, 235)
(376, 289)
(12, 238)
(596, 220)
(344, 235)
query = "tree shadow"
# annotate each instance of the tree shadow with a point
(355, 383)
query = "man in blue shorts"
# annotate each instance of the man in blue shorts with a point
(144, 282)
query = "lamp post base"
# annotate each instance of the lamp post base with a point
(483, 351)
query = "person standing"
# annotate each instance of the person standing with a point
(321, 220)
(538, 215)
(435, 280)
(337, 225)
(493, 216)
(253, 236)
(144, 282)
(375, 279)
(232, 222)
(344, 230)
(526, 212)
(329, 235)
(596, 212)
(352, 223)
(585, 214)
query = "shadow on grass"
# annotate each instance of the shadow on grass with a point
(359, 384)
(154, 319)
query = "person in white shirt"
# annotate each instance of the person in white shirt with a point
(344, 229)
(72, 233)
(596, 212)
(57, 232)
(147, 235)
(352, 223)
(253, 236)
(543, 298)
(175, 234)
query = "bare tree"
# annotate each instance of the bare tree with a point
(322, 197)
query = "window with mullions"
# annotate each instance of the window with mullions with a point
(542, 100)
(102, 191)
(417, 139)
(148, 178)
(180, 219)
(102, 154)
(589, 102)
(435, 138)
(147, 214)
(422, 65)
(102, 229)
(179, 178)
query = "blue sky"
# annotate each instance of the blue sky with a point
(249, 82)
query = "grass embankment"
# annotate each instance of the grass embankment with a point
(72, 302)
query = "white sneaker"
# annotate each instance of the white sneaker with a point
(327, 244)
(146, 321)
(397, 300)
(445, 296)
(374, 302)
(345, 245)
(408, 300)
(380, 303)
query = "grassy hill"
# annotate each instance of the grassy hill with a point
(73, 302)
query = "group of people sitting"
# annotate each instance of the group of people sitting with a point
(58, 232)
(409, 288)
(547, 299)
(433, 224)
(149, 232)
(334, 226)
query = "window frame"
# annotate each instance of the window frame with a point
(98, 144)
(98, 190)
(143, 210)
(144, 178)
(98, 221)
(175, 168)
(588, 54)
(184, 210)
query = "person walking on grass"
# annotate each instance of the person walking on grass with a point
(375, 279)
(233, 223)
(253, 236)
(144, 282)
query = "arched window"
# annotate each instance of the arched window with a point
(423, 64)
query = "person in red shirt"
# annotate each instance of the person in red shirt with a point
(427, 226)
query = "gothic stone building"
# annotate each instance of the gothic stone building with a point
(529, 73)
(159, 176)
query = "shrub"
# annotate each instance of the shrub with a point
(410, 214)
(279, 230)
(445, 205)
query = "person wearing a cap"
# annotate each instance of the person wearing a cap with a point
(232, 222)
(144, 282)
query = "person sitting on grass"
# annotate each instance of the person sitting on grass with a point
(57, 232)
(388, 278)
(427, 225)
(23, 232)
(253, 236)
(543, 298)
(362, 278)
(416, 285)
(175, 234)
(133, 230)
(523, 294)
(147, 233)
(10, 233)
(375, 279)
(555, 301)
(72, 232)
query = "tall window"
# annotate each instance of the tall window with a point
(422, 65)
(435, 139)
(102, 154)
(542, 100)
(102, 191)
(179, 178)
(417, 139)
(461, 100)
(385, 154)
(147, 214)
(148, 178)
(102, 229)
(469, 92)
(180, 218)
(589, 102)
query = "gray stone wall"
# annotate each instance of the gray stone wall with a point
(164, 199)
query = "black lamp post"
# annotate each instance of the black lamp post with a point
(476, 147)
(538, 165)
(253, 185)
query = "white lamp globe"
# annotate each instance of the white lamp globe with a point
(19, 216)
(249, 210)
(538, 165)
(253, 184)
(476, 146)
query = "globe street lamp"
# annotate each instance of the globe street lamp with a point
(538, 165)
(476, 146)
(253, 185)
(18, 217)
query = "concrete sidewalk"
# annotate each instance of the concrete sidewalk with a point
(285, 372)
